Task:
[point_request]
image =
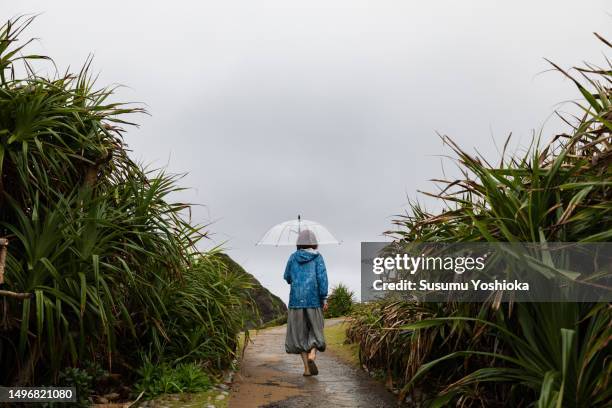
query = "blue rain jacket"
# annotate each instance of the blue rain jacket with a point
(306, 274)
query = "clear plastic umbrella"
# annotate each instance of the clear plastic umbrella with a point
(302, 232)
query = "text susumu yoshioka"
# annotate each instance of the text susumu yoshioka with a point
(473, 284)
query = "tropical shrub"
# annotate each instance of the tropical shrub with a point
(163, 378)
(340, 301)
(83, 382)
(101, 263)
(491, 354)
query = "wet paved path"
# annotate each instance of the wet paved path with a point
(271, 378)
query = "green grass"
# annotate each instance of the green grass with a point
(336, 340)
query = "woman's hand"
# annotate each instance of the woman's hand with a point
(325, 307)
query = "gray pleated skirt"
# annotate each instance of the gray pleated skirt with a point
(304, 330)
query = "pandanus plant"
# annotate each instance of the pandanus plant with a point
(107, 262)
(550, 355)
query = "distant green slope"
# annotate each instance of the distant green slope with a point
(271, 307)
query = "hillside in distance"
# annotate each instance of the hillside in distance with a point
(270, 307)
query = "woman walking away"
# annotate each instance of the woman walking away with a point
(306, 274)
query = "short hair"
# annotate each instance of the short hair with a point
(308, 246)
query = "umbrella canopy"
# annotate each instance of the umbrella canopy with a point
(299, 231)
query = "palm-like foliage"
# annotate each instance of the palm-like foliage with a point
(340, 301)
(492, 354)
(110, 261)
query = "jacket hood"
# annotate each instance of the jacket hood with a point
(305, 256)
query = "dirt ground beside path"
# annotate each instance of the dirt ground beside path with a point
(271, 378)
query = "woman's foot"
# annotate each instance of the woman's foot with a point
(307, 372)
(312, 367)
(311, 356)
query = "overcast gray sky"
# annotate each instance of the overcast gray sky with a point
(324, 108)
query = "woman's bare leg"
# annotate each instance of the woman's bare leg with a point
(305, 361)
(313, 353)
